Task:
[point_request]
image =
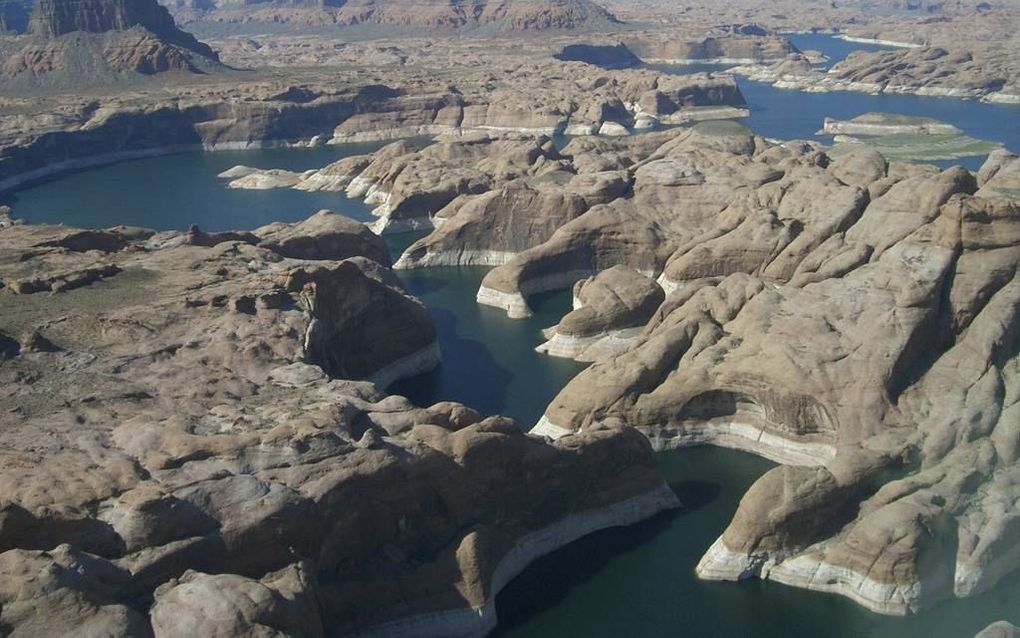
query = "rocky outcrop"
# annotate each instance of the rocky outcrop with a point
(489, 229)
(440, 15)
(851, 318)
(412, 185)
(930, 71)
(637, 231)
(53, 18)
(540, 99)
(577, 104)
(607, 56)
(470, 186)
(324, 235)
(1000, 629)
(609, 310)
(189, 459)
(901, 137)
(724, 49)
(887, 124)
(96, 42)
(842, 355)
(107, 55)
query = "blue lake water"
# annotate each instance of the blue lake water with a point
(782, 114)
(832, 47)
(637, 581)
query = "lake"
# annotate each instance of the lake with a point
(637, 581)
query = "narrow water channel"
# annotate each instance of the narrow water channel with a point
(637, 581)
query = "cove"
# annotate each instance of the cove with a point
(639, 581)
(635, 581)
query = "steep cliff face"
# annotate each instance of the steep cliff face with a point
(509, 15)
(723, 48)
(78, 43)
(53, 18)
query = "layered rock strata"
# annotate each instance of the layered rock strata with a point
(53, 18)
(608, 56)
(609, 311)
(851, 318)
(512, 16)
(98, 41)
(521, 176)
(929, 71)
(870, 124)
(873, 352)
(901, 137)
(188, 449)
(722, 49)
(85, 132)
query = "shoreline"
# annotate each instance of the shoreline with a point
(455, 258)
(604, 343)
(413, 364)
(804, 571)
(480, 620)
(743, 437)
(56, 169)
(886, 43)
(822, 83)
(719, 60)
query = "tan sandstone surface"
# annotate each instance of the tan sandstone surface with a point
(192, 444)
(848, 317)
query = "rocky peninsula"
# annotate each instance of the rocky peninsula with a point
(817, 310)
(196, 441)
(923, 70)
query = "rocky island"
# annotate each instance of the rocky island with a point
(902, 137)
(203, 431)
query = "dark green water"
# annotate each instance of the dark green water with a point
(489, 361)
(637, 581)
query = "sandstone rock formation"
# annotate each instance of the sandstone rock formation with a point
(324, 235)
(901, 137)
(872, 351)
(53, 18)
(43, 137)
(96, 41)
(1000, 629)
(849, 317)
(886, 124)
(442, 15)
(668, 49)
(415, 188)
(195, 454)
(964, 72)
(608, 56)
(609, 310)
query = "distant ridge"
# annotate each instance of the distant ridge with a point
(506, 15)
